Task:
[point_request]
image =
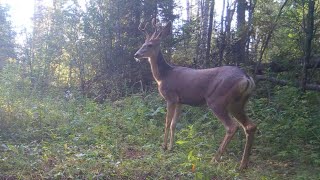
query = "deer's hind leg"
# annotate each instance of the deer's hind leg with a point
(229, 124)
(237, 110)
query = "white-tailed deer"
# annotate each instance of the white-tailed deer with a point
(224, 89)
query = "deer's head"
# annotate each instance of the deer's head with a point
(151, 46)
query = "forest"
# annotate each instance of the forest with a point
(75, 104)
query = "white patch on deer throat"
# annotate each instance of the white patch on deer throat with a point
(138, 60)
(159, 82)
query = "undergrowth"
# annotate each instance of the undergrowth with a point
(50, 137)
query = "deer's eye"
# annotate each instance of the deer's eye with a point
(149, 45)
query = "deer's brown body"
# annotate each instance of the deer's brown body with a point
(224, 89)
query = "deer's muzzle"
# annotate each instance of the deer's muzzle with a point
(137, 56)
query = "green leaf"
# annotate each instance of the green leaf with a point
(180, 142)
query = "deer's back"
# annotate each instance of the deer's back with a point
(193, 86)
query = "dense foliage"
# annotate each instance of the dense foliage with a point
(57, 137)
(75, 105)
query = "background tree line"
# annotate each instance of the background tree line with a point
(89, 49)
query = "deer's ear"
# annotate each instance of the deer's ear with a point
(166, 30)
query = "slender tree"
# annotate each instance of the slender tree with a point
(7, 36)
(240, 47)
(209, 34)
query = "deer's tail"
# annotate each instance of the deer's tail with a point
(246, 85)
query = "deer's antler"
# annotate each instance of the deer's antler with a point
(154, 22)
(142, 27)
(157, 28)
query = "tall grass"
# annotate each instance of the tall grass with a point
(45, 135)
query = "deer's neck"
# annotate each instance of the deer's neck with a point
(159, 67)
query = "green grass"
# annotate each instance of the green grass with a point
(51, 138)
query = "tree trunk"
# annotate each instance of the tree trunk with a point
(209, 34)
(188, 11)
(250, 37)
(227, 35)
(240, 47)
(198, 38)
(308, 42)
(204, 9)
(222, 38)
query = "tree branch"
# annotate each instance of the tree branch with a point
(312, 87)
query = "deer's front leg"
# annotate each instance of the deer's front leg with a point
(176, 115)
(170, 112)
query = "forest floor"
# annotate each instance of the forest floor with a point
(80, 139)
